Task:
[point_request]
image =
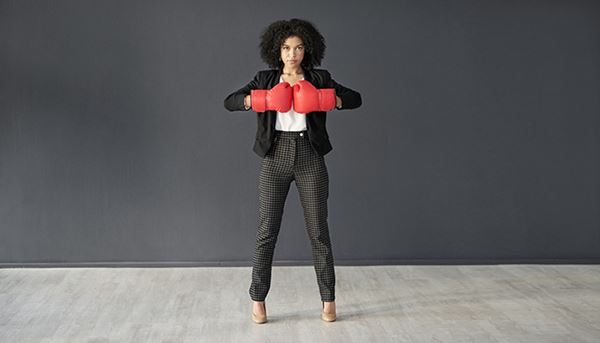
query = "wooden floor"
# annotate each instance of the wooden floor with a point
(494, 303)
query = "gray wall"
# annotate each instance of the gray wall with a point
(478, 140)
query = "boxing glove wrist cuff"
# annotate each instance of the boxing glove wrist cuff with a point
(258, 98)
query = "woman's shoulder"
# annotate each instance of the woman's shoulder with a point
(262, 71)
(321, 71)
(321, 74)
(265, 77)
(264, 74)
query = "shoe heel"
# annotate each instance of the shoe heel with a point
(328, 317)
(260, 319)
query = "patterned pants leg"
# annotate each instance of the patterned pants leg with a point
(293, 159)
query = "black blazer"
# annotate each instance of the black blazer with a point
(315, 121)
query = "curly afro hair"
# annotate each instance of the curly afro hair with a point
(275, 35)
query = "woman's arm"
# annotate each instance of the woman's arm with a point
(235, 101)
(349, 98)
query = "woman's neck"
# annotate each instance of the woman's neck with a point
(295, 71)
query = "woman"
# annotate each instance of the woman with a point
(291, 101)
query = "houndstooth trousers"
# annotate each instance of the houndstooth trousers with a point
(292, 158)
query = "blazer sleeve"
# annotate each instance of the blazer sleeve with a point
(235, 100)
(350, 98)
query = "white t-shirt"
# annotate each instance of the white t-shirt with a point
(290, 120)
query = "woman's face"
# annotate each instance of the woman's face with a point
(292, 52)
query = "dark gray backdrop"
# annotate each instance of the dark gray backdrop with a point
(477, 142)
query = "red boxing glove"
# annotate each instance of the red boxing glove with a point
(278, 98)
(309, 99)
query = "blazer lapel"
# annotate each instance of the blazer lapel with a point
(308, 76)
(277, 77)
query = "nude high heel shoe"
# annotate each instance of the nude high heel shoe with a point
(260, 319)
(328, 317)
